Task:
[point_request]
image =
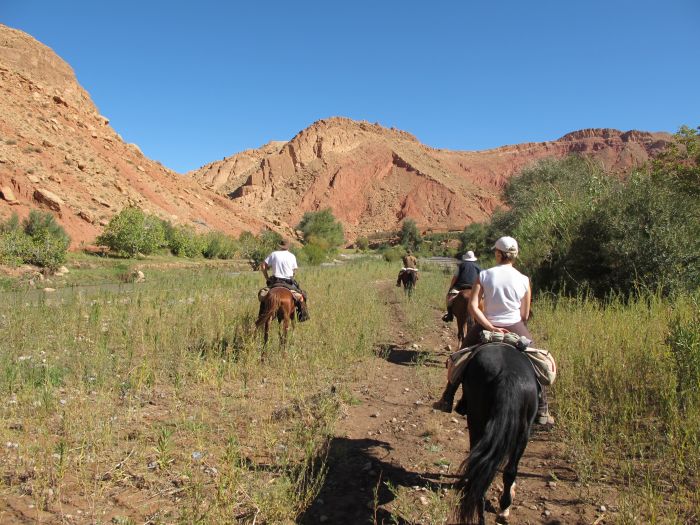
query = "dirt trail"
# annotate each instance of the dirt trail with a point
(393, 435)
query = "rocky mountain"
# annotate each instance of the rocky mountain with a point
(57, 152)
(373, 177)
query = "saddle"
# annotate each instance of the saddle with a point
(264, 291)
(542, 360)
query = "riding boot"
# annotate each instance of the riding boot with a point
(543, 415)
(448, 317)
(398, 280)
(261, 310)
(447, 400)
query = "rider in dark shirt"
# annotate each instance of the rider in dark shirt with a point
(463, 279)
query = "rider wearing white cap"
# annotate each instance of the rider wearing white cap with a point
(506, 296)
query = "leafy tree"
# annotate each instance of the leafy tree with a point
(474, 237)
(132, 231)
(322, 225)
(410, 236)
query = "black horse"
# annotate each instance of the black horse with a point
(408, 278)
(501, 396)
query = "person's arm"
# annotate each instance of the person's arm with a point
(476, 313)
(263, 268)
(452, 282)
(525, 304)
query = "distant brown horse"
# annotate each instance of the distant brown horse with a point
(408, 278)
(278, 302)
(460, 309)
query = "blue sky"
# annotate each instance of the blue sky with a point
(192, 82)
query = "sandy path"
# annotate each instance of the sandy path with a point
(393, 435)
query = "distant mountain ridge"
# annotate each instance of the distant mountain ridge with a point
(57, 152)
(373, 177)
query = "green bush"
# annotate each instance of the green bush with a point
(393, 253)
(132, 231)
(322, 225)
(183, 241)
(362, 243)
(257, 248)
(40, 241)
(314, 253)
(218, 245)
(581, 229)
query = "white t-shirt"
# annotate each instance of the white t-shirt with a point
(282, 263)
(504, 288)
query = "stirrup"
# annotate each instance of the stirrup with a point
(448, 317)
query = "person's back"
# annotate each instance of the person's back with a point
(409, 261)
(504, 288)
(467, 274)
(282, 263)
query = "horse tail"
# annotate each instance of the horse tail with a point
(272, 302)
(507, 422)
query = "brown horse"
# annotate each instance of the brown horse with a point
(460, 309)
(278, 302)
(408, 278)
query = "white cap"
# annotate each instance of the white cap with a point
(469, 256)
(506, 245)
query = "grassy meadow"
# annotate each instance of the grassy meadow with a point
(160, 386)
(112, 392)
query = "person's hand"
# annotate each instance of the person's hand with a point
(499, 329)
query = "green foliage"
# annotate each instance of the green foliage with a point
(362, 243)
(475, 237)
(410, 236)
(218, 245)
(393, 253)
(315, 251)
(132, 231)
(322, 225)
(257, 248)
(40, 241)
(582, 229)
(684, 342)
(183, 241)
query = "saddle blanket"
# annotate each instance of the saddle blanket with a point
(409, 270)
(542, 362)
(264, 291)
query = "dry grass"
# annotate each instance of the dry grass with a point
(151, 402)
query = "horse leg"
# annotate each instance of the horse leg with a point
(509, 473)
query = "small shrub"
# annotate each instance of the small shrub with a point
(393, 253)
(132, 231)
(362, 243)
(314, 253)
(40, 241)
(218, 245)
(183, 241)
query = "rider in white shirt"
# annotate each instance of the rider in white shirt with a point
(506, 296)
(283, 264)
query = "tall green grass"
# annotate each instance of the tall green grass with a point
(617, 399)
